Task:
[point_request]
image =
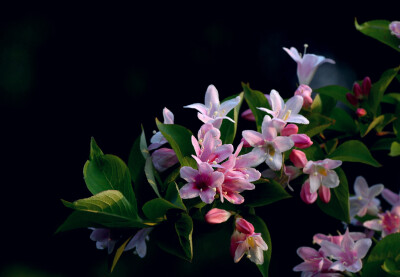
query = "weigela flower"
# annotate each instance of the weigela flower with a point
(138, 242)
(305, 92)
(267, 145)
(215, 216)
(285, 112)
(103, 239)
(364, 200)
(306, 65)
(348, 254)
(164, 158)
(321, 173)
(306, 195)
(360, 112)
(298, 158)
(394, 28)
(245, 241)
(202, 182)
(212, 111)
(318, 238)
(388, 222)
(391, 197)
(315, 263)
(158, 139)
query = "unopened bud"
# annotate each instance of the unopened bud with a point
(301, 141)
(351, 98)
(306, 195)
(298, 158)
(366, 86)
(290, 129)
(360, 112)
(244, 226)
(248, 115)
(357, 91)
(305, 92)
(324, 194)
(215, 216)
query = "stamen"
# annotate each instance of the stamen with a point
(305, 49)
(154, 132)
(287, 114)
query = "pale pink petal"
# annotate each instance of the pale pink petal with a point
(253, 138)
(205, 169)
(306, 69)
(223, 152)
(331, 180)
(188, 173)
(207, 195)
(375, 190)
(294, 104)
(315, 183)
(189, 191)
(217, 122)
(277, 102)
(307, 196)
(293, 53)
(198, 106)
(168, 116)
(196, 146)
(211, 99)
(331, 164)
(324, 194)
(240, 250)
(267, 111)
(308, 168)
(233, 197)
(204, 130)
(361, 186)
(205, 118)
(252, 174)
(261, 243)
(252, 159)
(337, 266)
(362, 246)
(164, 158)
(236, 238)
(375, 224)
(297, 118)
(155, 145)
(216, 179)
(227, 106)
(355, 267)
(330, 248)
(283, 144)
(216, 216)
(275, 161)
(307, 253)
(256, 255)
(391, 197)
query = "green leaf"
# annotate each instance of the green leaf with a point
(395, 149)
(265, 193)
(150, 173)
(336, 92)
(106, 209)
(173, 196)
(136, 162)
(143, 145)
(318, 123)
(387, 248)
(184, 229)
(391, 267)
(387, 119)
(118, 254)
(338, 207)
(379, 30)
(353, 151)
(391, 98)
(255, 99)
(261, 227)
(179, 138)
(107, 172)
(382, 144)
(343, 122)
(372, 125)
(157, 208)
(379, 88)
(228, 128)
(323, 104)
(314, 152)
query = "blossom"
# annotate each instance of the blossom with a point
(301, 141)
(103, 239)
(394, 28)
(212, 111)
(305, 92)
(388, 222)
(158, 139)
(138, 242)
(306, 65)
(215, 216)
(391, 197)
(268, 145)
(285, 112)
(298, 158)
(348, 254)
(315, 262)
(360, 112)
(321, 173)
(306, 195)
(202, 182)
(245, 241)
(318, 238)
(364, 200)
(164, 158)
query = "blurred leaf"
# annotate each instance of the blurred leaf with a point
(323, 104)
(172, 176)
(255, 99)
(107, 172)
(382, 144)
(336, 92)
(391, 98)
(331, 145)
(379, 88)
(150, 171)
(314, 152)
(379, 30)
(391, 267)
(184, 229)
(265, 193)
(118, 254)
(261, 227)
(353, 151)
(143, 145)
(173, 195)
(106, 209)
(343, 122)
(228, 128)
(396, 123)
(136, 162)
(387, 119)
(338, 207)
(395, 149)
(318, 123)
(364, 131)
(179, 138)
(387, 248)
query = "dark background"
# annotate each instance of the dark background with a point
(70, 72)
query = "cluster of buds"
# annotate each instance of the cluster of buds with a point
(359, 93)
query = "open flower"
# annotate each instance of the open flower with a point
(138, 242)
(103, 239)
(321, 173)
(315, 263)
(364, 201)
(212, 111)
(388, 222)
(391, 197)
(306, 65)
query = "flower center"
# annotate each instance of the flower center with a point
(251, 242)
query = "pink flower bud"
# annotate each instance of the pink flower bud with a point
(215, 216)
(306, 195)
(351, 98)
(360, 112)
(394, 28)
(357, 91)
(305, 92)
(298, 158)
(245, 143)
(290, 129)
(164, 158)
(366, 86)
(248, 115)
(301, 141)
(244, 226)
(324, 194)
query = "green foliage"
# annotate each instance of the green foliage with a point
(318, 123)
(266, 192)
(255, 99)
(136, 161)
(395, 149)
(118, 254)
(353, 151)
(180, 140)
(107, 172)
(150, 172)
(157, 208)
(382, 144)
(384, 257)
(343, 122)
(228, 128)
(339, 205)
(173, 196)
(323, 104)
(391, 98)
(379, 30)
(314, 152)
(336, 92)
(365, 129)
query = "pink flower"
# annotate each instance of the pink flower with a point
(321, 173)
(352, 99)
(306, 195)
(158, 139)
(305, 92)
(267, 145)
(215, 216)
(360, 112)
(318, 238)
(391, 197)
(298, 158)
(315, 263)
(364, 201)
(388, 223)
(394, 28)
(306, 65)
(164, 158)
(139, 242)
(301, 141)
(290, 129)
(245, 241)
(202, 182)
(212, 111)
(348, 254)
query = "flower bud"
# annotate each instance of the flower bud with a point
(357, 91)
(360, 112)
(366, 86)
(395, 28)
(298, 158)
(305, 92)
(248, 115)
(324, 194)
(215, 216)
(351, 98)
(244, 226)
(164, 158)
(306, 195)
(290, 129)
(301, 141)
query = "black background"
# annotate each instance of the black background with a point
(69, 72)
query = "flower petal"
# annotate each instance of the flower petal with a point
(189, 191)
(168, 116)
(228, 105)
(164, 158)
(277, 102)
(211, 99)
(297, 118)
(283, 144)
(362, 246)
(198, 106)
(188, 173)
(207, 195)
(253, 138)
(391, 197)
(375, 190)
(275, 161)
(294, 104)
(361, 186)
(293, 53)
(331, 180)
